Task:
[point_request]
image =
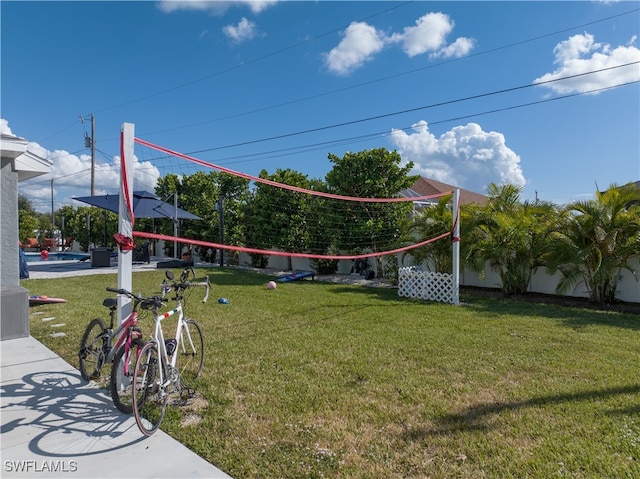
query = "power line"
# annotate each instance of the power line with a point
(385, 133)
(251, 62)
(410, 110)
(390, 77)
(315, 146)
(319, 95)
(344, 141)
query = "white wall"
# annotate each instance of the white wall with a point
(541, 282)
(628, 287)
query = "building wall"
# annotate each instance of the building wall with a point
(9, 257)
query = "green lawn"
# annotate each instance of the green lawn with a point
(319, 380)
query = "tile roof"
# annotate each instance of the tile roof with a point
(426, 186)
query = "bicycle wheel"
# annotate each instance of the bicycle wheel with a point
(93, 349)
(150, 397)
(190, 353)
(122, 376)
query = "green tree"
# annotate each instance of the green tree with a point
(374, 173)
(165, 188)
(511, 236)
(595, 240)
(88, 225)
(27, 219)
(203, 194)
(279, 217)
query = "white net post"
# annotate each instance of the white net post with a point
(435, 286)
(125, 219)
(455, 274)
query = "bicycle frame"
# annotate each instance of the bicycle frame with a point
(169, 361)
(158, 336)
(122, 337)
(158, 371)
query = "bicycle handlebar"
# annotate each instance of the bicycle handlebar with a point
(182, 285)
(123, 291)
(145, 303)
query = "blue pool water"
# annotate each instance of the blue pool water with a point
(36, 258)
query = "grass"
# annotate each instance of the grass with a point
(325, 380)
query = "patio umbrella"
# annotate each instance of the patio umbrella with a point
(145, 205)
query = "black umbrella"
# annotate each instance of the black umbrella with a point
(145, 205)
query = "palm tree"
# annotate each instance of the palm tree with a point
(595, 242)
(428, 223)
(511, 236)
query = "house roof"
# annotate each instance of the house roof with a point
(426, 186)
(26, 162)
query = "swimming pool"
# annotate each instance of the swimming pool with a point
(60, 256)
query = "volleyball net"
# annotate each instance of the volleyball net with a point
(271, 217)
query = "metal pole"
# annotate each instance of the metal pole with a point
(93, 155)
(175, 223)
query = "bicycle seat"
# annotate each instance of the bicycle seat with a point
(110, 303)
(151, 303)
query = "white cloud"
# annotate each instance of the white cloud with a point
(458, 49)
(245, 30)
(428, 34)
(582, 54)
(214, 7)
(465, 156)
(361, 41)
(72, 177)
(4, 127)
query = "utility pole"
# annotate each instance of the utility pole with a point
(90, 142)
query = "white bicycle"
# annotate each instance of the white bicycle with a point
(168, 366)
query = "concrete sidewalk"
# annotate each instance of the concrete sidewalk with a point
(54, 424)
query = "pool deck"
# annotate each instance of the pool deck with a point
(68, 268)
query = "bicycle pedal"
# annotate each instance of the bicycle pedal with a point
(188, 392)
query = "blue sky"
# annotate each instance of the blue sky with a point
(264, 85)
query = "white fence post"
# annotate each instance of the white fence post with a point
(455, 247)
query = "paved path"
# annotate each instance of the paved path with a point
(54, 424)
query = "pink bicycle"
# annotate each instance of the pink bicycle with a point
(119, 347)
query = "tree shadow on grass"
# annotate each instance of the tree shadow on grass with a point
(480, 416)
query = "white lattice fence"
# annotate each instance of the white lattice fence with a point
(418, 284)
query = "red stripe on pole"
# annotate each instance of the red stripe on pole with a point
(124, 174)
